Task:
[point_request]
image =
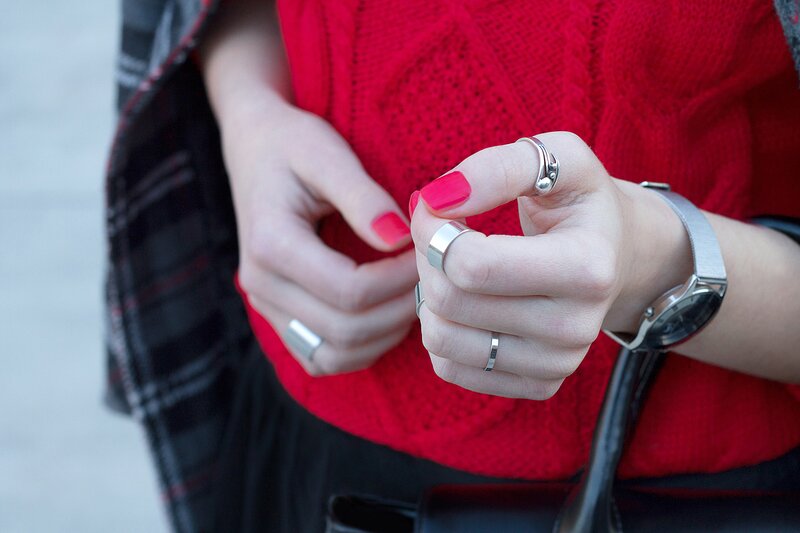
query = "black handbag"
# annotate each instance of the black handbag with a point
(594, 504)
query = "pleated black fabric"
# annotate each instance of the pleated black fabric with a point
(280, 464)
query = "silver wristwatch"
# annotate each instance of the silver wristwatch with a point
(683, 310)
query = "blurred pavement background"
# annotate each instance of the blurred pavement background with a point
(66, 462)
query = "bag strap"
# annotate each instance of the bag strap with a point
(589, 506)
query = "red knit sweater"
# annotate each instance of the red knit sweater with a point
(698, 94)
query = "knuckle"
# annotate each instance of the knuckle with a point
(574, 140)
(570, 362)
(265, 243)
(509, 168)
(315, 370)
(351, 296)
(582, 158)
(440, 298)
(434, 338)
(469, 270)
(600, 276)
(337, 362)
(347, 334)
(575, 332)
(540, 390)
(446, 370)
(247, 277)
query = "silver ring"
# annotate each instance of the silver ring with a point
(303, 340)
(547, 175)
(441, 240)
(493, 353)
(419, 299)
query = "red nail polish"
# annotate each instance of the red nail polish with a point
(446, 191)
(412, 203)
(390, 227)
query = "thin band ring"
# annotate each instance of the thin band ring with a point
(493, 352)
(419, 299)
(302, 339)
(547, 175)
(441, 241)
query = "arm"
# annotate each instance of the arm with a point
(243, 60)
(757, 329)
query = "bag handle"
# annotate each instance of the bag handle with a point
(589, 506)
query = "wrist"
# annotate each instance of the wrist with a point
(658, 255)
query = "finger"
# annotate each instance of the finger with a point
(515, 355)
(499, 174)
(344, 329)
(293, 250)
(495, 383)
(328, 358)
(555, 321)
(567, 262)
(336, 175)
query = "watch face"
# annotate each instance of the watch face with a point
(684, 318)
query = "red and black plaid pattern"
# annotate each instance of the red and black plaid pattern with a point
(176, 327)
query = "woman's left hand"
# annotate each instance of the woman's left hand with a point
(595, 253)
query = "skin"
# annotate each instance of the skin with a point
(289, 168)
(595, 252)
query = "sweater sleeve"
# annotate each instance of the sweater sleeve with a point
(775, 114)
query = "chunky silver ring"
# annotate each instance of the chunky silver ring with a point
(441, 240)
(493, 352)
(302, 339)
(419, 299)
(547, 175)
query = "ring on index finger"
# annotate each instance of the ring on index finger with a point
(441, 241)
(546, 177)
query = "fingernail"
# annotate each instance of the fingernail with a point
(412, 203)
(390, 227)
(446, 191)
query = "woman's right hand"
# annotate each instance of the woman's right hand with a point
(288, 168)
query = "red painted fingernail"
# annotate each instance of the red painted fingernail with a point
(390, 227)
(412, 203)
(446, 191)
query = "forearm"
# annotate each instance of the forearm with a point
(757, 329)
(243, 60)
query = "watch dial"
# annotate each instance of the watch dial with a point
(684, 318)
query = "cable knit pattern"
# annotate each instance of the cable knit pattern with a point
(692, 94)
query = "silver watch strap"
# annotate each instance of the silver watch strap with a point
(708, 261)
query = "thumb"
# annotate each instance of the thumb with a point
(334, 172)
(496, 175)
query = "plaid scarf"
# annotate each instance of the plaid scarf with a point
(176, 329)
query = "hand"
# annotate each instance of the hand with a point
(592, 253)
(289, 168)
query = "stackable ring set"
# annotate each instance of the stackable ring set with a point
(305, 342)
(543, 183)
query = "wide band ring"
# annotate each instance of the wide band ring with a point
(303, 340)
(547, 174)
(493, 352)
(441, 240)
(419, 299)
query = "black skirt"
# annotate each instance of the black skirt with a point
(280, 464)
